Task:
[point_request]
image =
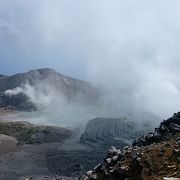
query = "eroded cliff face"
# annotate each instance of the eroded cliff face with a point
(112, 131)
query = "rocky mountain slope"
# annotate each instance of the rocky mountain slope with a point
(46, 82)
(153, 156)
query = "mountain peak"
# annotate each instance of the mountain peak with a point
(44, 71)
(45, 82)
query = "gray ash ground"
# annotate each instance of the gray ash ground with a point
(58, 153)
(73, 163)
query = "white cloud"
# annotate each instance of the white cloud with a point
(132, 45)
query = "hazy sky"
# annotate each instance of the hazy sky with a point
(76, 36)
(130, 44)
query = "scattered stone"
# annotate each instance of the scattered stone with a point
(89, 173)
(176, 151)
(161, 153)
(112, 150)
(115, 158)
(108, 160)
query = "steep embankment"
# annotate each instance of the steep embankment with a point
(104, 132)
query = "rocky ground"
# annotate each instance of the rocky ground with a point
(155, 161)
(29, 152)
(154, 156)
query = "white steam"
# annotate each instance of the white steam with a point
(42, 95)
(15, 91)
(54, 109)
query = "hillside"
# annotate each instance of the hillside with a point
(45, 83)
(26, 133)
